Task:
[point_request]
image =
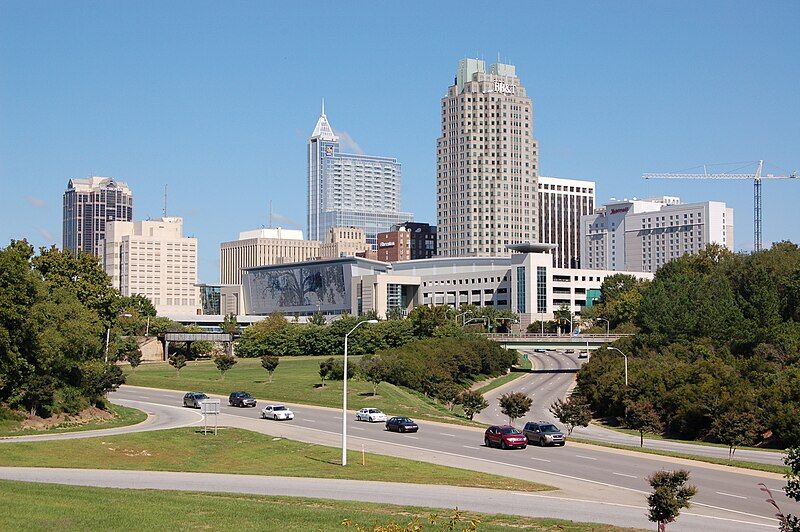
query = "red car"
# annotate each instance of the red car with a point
(505, 437)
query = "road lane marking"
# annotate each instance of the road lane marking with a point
(413, 437)
(539, 459)
(446, 434)
(309, 420)
(554, 473)
(358, 428)
(468, 446)
(730, 495)
(623, 475)
(585, 457)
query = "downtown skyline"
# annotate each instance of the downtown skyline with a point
(224, 122)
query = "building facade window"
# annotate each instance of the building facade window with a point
(521, 290)
(541, 289)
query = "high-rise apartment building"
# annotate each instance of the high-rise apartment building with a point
(89, 204)
(562, 202)
(643, 235)
(154, 259)
(350, 190)
(487, 163)
(344, 242)
(262, 247)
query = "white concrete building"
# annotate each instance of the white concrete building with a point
(526, 282)
(642, 235)
(88, 206)
(562, 203)
(154, 259)
(262, 247)
(486, 162)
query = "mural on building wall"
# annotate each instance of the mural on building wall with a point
(295, 289)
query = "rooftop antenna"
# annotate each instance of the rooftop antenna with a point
(323, 106)
(165, 201)
(270, 201)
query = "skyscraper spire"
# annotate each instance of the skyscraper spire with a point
(323, 106)
(323, 129)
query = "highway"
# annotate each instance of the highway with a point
(554, 377)
(581, 471)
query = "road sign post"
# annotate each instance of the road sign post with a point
(209, 407)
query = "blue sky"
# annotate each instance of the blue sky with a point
(217, 99)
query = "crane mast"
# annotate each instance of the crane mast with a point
(757, 177)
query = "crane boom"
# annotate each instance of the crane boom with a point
(757, 177)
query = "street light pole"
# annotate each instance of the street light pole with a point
(608, 326)
(344, 392)
(626, 362)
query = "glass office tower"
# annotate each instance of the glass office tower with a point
(350, 190)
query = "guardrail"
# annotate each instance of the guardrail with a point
(539, 336)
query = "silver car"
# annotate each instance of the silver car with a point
(276, 412)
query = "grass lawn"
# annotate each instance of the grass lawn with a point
(239, 451)
(757, 466)
(124, 416)
(632, 432)
(295, 381)
(30, 506)
(499, 381)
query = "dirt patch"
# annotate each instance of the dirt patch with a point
(67, 420)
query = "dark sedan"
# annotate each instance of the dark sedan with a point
(401, 424)
(242, 399)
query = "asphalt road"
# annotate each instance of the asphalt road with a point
(585, 471)
(554, 378)
(470, 499)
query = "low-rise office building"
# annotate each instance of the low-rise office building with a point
(262, 247)
(526, 283)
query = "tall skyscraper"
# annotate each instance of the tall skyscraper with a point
(562, 202)
(88, 205)
(350, 190)
(487, 163)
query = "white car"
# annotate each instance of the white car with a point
(276, 412)
(373, 415)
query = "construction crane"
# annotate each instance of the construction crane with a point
(757, 177)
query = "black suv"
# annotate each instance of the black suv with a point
(241, 399)
(543, 433)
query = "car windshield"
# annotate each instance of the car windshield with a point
(374, 411)
(279, 408)
(550, 428)
(403, 420)
(201, 396)
(509, 430)
(245, 395)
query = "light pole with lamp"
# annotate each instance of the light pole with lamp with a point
(464, 319)
(480, 318)
(626, 362)
(608, 325)
(344, 393)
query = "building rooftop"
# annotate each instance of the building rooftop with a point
(94, 182)
(272, 232)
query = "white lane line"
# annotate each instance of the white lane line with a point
(413, 437)
(446, 434)
(309, 420)
(729, 495)
(539, 459)
(357, 428)
(468, 446)
(623, 475)
(585, 457)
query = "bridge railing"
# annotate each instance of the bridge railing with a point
(507, 337)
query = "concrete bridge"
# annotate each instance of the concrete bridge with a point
(581, 342)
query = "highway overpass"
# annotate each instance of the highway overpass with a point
(553, 341)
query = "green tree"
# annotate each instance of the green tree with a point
(572, 412)
(230, 325)
(98, 378)
(563, 315)
(472, 402)
(83, 275)
(793, 485)
(372, 370)
(426, 318)
(325, 369)
(178, 362)
(224, 362)
(125, 347)
(515, 405)
(448, 392)
(642, 416)
(670, 495)
(318, 318)
(134, 358)
(735, 429)
(270, 363)
(137, 302)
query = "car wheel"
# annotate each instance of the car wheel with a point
(275, 417)
(486, 442)
(503, 444)
(524, 445)
(263, 415)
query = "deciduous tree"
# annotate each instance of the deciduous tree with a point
(270, 363)
(224, 362)
(643, 417)
(572, 412)
(515, 405)
(670, 495)
(472, 402)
